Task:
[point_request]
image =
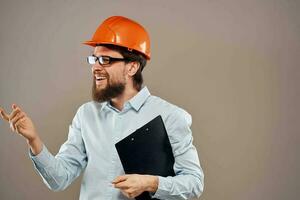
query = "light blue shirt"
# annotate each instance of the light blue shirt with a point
(90, 146)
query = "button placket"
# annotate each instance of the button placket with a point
(116, 135)
(118, 127)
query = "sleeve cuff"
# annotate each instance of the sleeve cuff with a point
(41, 160)
(164, 187)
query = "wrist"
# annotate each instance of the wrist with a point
(152, 183)
(33, 140)
(35, 145)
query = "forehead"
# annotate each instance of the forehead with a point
(104, 51)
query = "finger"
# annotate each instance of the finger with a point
(14, 106)
(128, 195)
(119, 179)
(11, 126)
(3, 114)
(16, 118)
(122, 185)
(14, 113)
(125, 194)
(18, 125)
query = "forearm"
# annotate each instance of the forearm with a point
(56, 173)
(59, 171)
(49, 168)
(179, 187)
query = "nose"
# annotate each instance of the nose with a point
(97, 67)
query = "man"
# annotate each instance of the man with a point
(120, 105)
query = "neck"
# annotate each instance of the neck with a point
(118, 102)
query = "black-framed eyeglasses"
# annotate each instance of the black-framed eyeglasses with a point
(104, 60)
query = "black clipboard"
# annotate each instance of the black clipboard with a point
(147, 151)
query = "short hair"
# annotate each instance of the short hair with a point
(132, 57)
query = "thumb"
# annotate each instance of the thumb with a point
(119, 179)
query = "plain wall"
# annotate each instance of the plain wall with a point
(234, 65)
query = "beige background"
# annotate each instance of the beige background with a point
(234, 65)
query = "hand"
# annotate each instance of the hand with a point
(20, 122)
(132, 185)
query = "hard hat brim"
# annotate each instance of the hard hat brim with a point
(90, 43)
(94, 44)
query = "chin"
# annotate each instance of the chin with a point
(100, 87)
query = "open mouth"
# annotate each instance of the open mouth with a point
(99, 79)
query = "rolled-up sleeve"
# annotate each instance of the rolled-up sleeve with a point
(59, 171)
(188, 181)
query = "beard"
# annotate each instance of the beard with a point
(112, 90)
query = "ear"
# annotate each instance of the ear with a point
(133, 68)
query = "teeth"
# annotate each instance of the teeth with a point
(100, 77)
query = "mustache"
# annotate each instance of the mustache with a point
(104, 73)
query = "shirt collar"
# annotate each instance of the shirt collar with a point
(135, 102)
(139, 99)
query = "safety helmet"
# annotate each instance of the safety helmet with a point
(121, 31)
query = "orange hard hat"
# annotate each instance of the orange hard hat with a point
(121, 31)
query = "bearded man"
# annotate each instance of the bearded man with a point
(120, 105)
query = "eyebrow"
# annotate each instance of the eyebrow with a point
(102, 56)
